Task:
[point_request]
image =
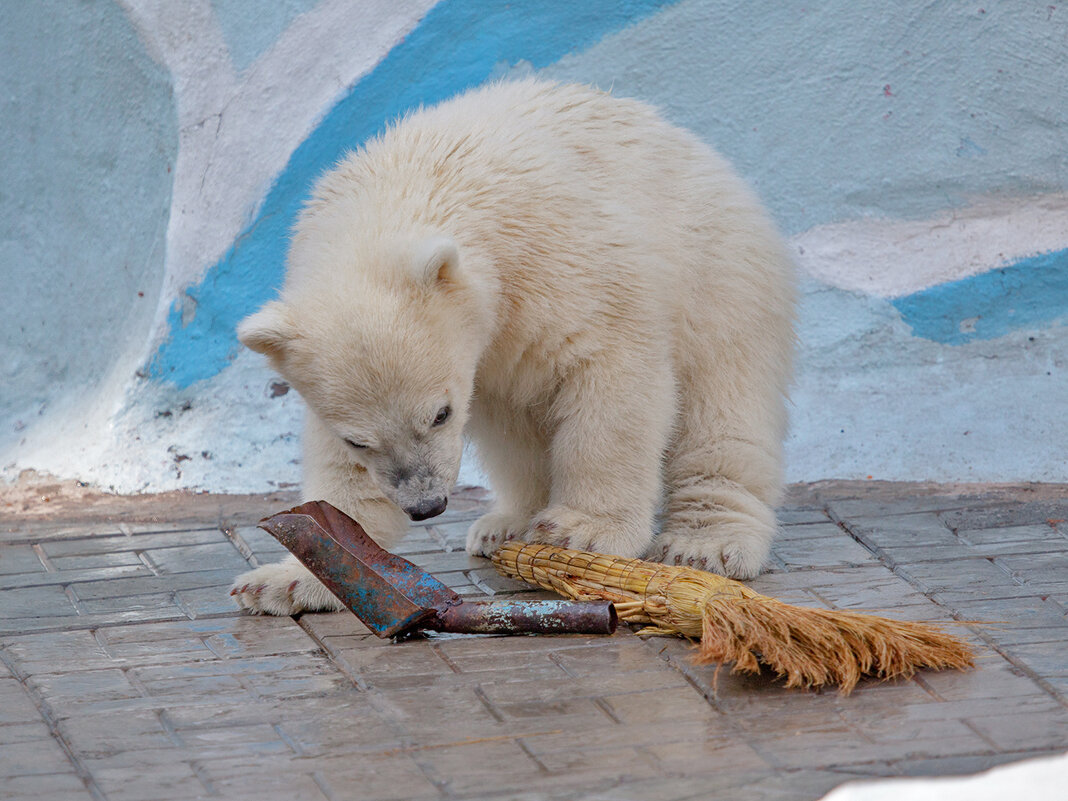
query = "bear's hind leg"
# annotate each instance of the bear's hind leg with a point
(722, 478)
(613, 420)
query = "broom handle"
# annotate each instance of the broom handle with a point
(528, 617)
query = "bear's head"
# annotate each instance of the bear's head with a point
(385, 355)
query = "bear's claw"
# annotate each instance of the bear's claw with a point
(737, 557)
(284, 588)
(492, 530)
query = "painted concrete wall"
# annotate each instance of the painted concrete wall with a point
(916, 155)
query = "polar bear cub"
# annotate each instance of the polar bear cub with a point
(588, 292)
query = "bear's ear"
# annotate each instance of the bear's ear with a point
(269, 330)
(435, 261)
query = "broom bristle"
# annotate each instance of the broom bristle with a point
(808, 647)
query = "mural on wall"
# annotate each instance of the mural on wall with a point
(913, 158)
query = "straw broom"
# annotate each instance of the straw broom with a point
(809, 647)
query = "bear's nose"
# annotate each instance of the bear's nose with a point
(429, 508)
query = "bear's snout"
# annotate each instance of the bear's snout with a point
(431, 507)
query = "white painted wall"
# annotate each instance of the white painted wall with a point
(906, 149)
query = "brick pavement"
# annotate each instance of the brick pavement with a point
(127, 673)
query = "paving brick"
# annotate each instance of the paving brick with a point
(490, 582)
(66, 564)
(395, 667)
(1045, 658)
(1010, 731)
(192, 558)
(118, 543)
(117, 587)
(790, 516)
(83, 687)
(16, 559)
(664, 705)
(31, 602)
(903, 505)
(822, 552)
(70, 577)
(486, 767)
(97, 734)
(458, 708)
(961, 765)
(964, 575)
(33, 757)
(16, 706)
(1003, 617)
(623, 762)
(914, 531)
(392, 777)
(604, 733)
(439, 562)
(163, 689)
(992, 677)
(262, 545)
(53, 787)
(620, 656)
(1047, 569)
(23, 732)
(272, 780)
(1006, 514)
(1041, 532)
(176, 780)
(124, 605)
(420, 541)
(453, 536)
(351, 725)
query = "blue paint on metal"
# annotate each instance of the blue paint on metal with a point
(1027, 294)
(458, 45)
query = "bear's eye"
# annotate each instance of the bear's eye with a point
(357, 445)
(442, 415)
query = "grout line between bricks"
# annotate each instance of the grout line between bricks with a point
(480, 694)
(533, 757)
(42, 557)
(243, 548)
(294, 746)
(75, 601)
(606, 706)
(168, 726)
(436, 650)
(322, 784)
(974, 730)
(202, 777)
(147, 562)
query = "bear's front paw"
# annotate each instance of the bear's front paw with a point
(493, 530)
(735, 554)
(566, 527)
(283, 588)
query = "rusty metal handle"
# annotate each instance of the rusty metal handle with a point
(528, 617)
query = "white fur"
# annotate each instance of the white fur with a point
(597, 297)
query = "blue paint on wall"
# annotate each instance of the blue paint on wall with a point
(90, 131)
(1027, 294)
(251, 28)
(458, 45)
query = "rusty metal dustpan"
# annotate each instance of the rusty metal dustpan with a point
(393, 597)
